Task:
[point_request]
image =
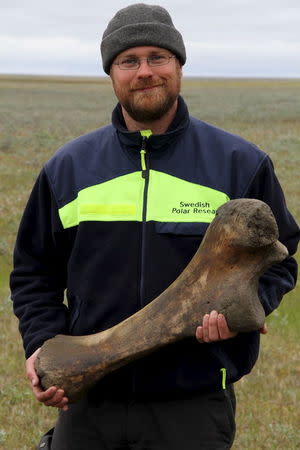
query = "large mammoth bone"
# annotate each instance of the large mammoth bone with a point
(239, 245)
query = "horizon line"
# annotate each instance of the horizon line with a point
(106, 77)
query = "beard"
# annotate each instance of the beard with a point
(146, 106)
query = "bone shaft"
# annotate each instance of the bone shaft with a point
(143, 333)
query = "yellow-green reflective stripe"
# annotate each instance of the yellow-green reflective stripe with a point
(113, 210)
(171, 199)
(223, 371)
(69, 214)
(114, 200)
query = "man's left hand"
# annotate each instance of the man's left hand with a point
(214, 328)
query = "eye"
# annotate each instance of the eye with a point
(157, 59)
(128, 62)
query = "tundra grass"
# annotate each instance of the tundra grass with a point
(38, 115)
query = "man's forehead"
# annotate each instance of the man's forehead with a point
(142, 50)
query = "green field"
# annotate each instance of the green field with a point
(40, 114)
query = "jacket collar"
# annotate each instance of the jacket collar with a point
(133, 139)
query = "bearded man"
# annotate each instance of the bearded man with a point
(105, 222)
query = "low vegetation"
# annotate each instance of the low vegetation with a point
(37, 115)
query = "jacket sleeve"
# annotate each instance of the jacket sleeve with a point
(38, 279)
(282, 277)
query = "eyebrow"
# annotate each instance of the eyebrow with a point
(128, 55)
(133, 55)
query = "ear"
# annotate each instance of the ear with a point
(179, 68)
(111, 74)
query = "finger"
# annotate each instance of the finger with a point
(56, 399)
(44, 396)
(63, 404)
(205, 328)
(199, 333)
(60, 402)
(224, 331)
(213, 327)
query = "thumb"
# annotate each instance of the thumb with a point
(34, 380)
(264, 329)
(32, 376)
(30, 369)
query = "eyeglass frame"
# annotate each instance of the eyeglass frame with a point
(139, 61)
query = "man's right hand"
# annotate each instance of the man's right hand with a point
(52, 396)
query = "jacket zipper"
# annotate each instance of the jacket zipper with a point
(145, 174)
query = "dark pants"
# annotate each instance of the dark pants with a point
(202, 421)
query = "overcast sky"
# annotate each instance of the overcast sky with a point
(222, 37)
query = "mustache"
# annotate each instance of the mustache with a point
(142, 84)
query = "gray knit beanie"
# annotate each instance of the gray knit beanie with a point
(139, 25)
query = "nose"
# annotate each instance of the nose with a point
(144, 70)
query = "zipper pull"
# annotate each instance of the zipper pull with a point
(143, 157)
(145, 135)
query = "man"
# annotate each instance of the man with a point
(106, 221)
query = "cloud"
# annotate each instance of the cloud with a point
(222, 37)
(243, 59)
(50, 55)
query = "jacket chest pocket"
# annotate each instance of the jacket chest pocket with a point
(182, 229)
(172, 248)
(177, 243)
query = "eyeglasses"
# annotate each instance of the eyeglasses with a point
(133, 63)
